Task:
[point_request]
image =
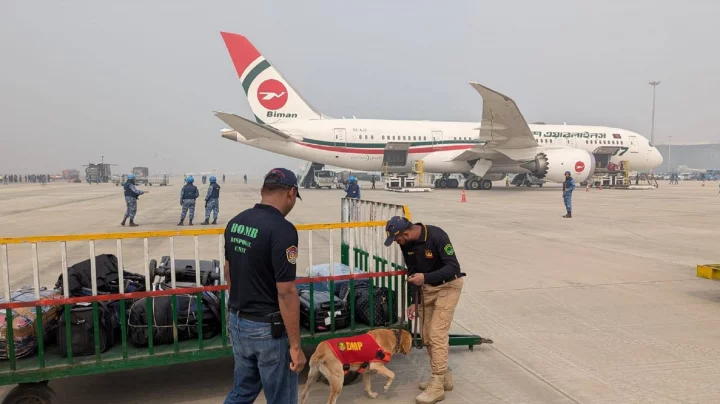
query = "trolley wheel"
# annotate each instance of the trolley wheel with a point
(31, 393)
(349, 378)
(152, 268)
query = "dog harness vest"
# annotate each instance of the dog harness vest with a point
(358, 350)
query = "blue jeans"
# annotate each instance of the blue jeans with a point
(261, 362)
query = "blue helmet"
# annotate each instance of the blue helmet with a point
(189, 179)
(351, 179)
(212, 178)
(567, 173)
(131, 176)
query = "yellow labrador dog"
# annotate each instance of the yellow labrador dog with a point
(361, 353)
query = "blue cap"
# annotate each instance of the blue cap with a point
(212, 178)
(282, 176)
(190, 179)
(351, 179)
(567, 173)
(395, 225)
(131, 176)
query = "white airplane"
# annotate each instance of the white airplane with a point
(484, 151)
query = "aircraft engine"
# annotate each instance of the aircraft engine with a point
(552, 164)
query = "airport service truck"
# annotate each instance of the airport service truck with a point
(324, 179)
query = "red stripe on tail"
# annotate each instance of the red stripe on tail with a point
(242, 52)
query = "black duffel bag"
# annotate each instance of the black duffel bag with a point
(163, 322)
(82, 332)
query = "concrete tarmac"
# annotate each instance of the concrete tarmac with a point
(603, 308)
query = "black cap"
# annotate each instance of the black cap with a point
(282, 176)
(395, 225)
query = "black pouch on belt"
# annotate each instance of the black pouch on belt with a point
(277, 327)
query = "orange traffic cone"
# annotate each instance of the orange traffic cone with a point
(463, 199)
(587, 187)
(600, 186)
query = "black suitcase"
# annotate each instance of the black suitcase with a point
(82, 331)
(185, 272)
(322, 311)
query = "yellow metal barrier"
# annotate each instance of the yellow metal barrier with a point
(171, 233)
(709, 271)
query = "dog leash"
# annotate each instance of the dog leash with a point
(417, 341)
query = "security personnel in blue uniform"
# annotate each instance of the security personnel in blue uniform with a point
(131, 196)
(188, 194)
(568, 188)
(212, 201)
(436, 283)
(352, 189)
(260, 268)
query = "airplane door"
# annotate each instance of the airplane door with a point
(634, 148)
(340, 137)
(437, 138)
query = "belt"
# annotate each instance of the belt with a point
(258, 319)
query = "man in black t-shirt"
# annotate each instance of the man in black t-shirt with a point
(261, 249)
(436, 282)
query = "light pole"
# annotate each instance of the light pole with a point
(652, 127)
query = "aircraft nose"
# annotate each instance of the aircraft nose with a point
(657, 157)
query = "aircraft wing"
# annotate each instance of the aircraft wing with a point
(503, 128)
(251, 130)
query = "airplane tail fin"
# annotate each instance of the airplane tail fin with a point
(271, 97)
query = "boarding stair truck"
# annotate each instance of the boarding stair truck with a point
(141, 175)
(306, 174)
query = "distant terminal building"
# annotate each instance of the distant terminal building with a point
(694, 155)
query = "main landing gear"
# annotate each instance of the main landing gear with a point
(472, 183)
(445, 182)
(478, 184)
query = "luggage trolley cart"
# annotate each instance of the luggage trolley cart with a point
(378, 268)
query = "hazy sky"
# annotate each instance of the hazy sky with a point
(138, 81)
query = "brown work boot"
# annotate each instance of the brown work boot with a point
(447, 384)
(434, 391)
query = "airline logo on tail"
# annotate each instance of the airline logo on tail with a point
(270, 96)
